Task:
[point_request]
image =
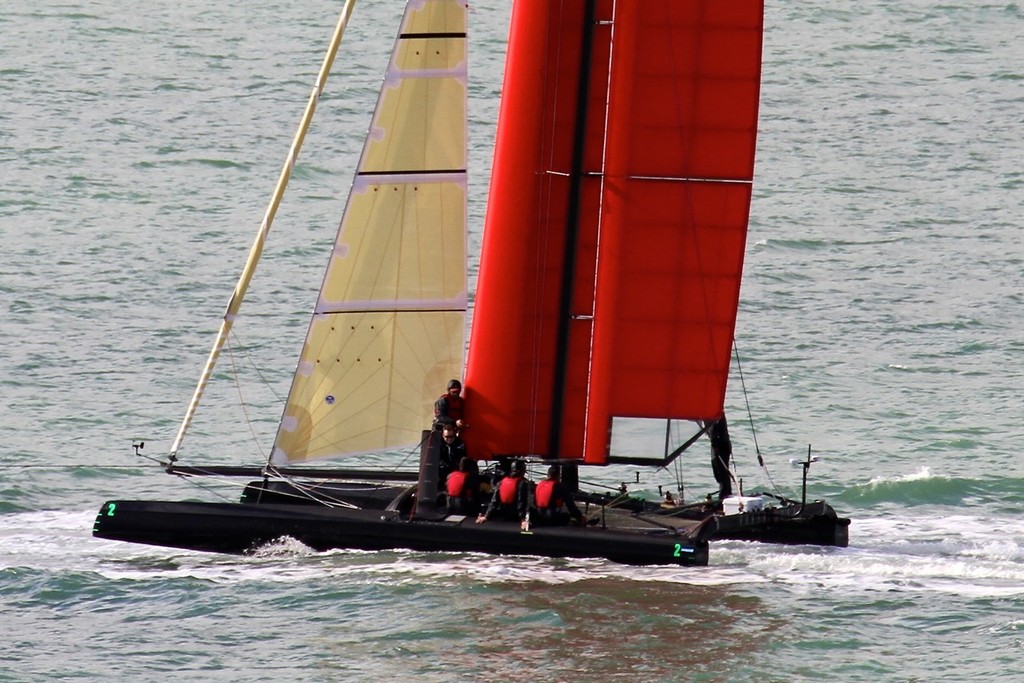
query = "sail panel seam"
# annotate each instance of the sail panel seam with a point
(395, 308)
(427, 172)
(688, 179)
(428, 35)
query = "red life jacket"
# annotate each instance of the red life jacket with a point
(456, 484)
(454, 404)
(544, 495)
(507, 490)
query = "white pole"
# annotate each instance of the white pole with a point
(261, 236)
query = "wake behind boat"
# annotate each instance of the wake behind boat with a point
(606, 302)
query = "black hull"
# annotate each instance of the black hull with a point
(787, 523)
(239, 528)
(813, 524)
(784, 522)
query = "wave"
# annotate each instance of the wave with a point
(924, 487)
(921, 551)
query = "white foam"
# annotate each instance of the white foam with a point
(921, 475)
(960, 554)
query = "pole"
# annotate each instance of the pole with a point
(268, 218)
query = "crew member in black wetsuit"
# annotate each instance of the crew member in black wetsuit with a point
(451, 450)
(551, 497)
(721, 454)
(463, 488)
(511, 499)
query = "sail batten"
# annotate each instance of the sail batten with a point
(426, 175)
(388, 326)
(414, 307)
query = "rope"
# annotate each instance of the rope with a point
(85, 467)
(241, 397)
(750, 417)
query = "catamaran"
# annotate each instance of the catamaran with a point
(606, 301)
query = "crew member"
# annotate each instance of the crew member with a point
(448, 408)
(463, 488)
(721, 454)
(511, 499)
(551, 497)
(452, 450)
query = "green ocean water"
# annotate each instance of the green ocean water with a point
(881, 322)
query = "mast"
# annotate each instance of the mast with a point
(571, 232)
(256, 250)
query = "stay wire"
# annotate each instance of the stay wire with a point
(238, 387)
(750, 416)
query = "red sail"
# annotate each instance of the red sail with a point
(616, 226)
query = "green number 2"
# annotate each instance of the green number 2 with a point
(677, 553)
(113, 506)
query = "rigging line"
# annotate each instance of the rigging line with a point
(327, 501)
(603, 119)
(397, 468)
(241, 397)
(305, 492)
(677, 464)
(210, 488)
(679, 477)
(256, 250)
(750, 416)
(411, 451)
(309, 493)
(256, 368)
(598, 485)
(154, 461)
(746, 400)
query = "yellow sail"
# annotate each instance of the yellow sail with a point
(388, 328)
